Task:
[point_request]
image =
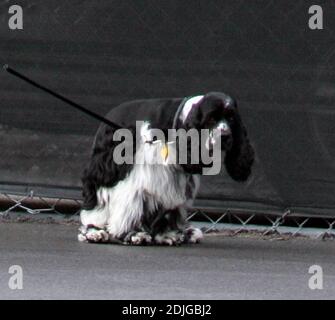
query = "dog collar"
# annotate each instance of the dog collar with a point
(184, 109)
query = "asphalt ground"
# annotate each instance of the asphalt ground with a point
(56, 266)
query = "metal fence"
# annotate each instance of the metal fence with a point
(230, 221)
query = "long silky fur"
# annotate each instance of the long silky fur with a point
(125, 199)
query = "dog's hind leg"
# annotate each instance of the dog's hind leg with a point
(93, 226)
(93, 222)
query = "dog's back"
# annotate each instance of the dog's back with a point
(159, 112)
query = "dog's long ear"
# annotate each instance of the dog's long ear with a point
(240, 157)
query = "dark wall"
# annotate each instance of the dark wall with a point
(101, 53)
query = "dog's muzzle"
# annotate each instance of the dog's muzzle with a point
(223, 133)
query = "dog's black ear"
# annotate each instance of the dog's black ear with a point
(240, 157)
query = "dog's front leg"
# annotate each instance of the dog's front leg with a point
(127, 212)
(172, 228)
(168, 227)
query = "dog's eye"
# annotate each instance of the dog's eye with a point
(211, 123)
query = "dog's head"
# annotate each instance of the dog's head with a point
(218, 113)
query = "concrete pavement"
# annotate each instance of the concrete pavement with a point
(56, 266)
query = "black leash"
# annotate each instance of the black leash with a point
(60, 97)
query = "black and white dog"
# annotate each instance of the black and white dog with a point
(146, 202)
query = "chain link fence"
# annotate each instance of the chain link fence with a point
(230, 221)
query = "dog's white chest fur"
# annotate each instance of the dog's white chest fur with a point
(146, 188)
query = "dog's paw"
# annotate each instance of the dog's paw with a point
(170, 238)
(193, 235)
(141, 238)
(92, 234)
(138, 238)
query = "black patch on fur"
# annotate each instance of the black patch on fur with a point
(102, 171)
